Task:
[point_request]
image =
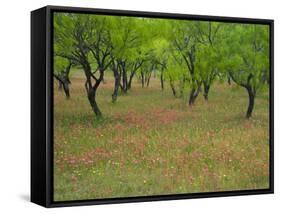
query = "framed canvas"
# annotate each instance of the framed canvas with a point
(131, 106)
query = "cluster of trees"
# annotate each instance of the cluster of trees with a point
(187, 55)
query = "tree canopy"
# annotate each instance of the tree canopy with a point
(188, 55)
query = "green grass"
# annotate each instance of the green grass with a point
(150, 143)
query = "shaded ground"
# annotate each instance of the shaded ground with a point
(150, 143)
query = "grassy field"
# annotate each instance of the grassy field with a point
(150, 143)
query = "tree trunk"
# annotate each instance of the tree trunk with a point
(63, 83)
(206, 91)
(142, 79)
(92, 89)
(193, 95)
(174, 91)
(229, 80)
(173, 88)
(148, 79)
(60, 86)
(92, 100)
(129, 84)
(251, 94)
(162, 80)
(131, 79)
(124, 79)
(116, 85)
(66, 89)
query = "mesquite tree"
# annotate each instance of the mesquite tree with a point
(176, 75)
(161, 55)
(116, 75)
(146, 71)
(62, 68)
(247, 55)
(126, 53)
(189, 55)
(84, 39)
(184, 41)
(127, 72)
(208, 58)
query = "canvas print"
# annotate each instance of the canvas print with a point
(152, 106)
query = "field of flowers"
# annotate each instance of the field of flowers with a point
(150, 143)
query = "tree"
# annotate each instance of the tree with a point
(176, 74)
(208, 58)
(248, 58)
(184, 41)
(189, 55)
(84, 39)
(161, 55)
(62, 68)
(146, 70)
(117, 75)
(126, 53)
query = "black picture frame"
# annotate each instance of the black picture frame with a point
(42, 106)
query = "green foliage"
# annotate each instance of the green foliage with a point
(209, 55)
(187, 54)
(60, 63)
(247, 53)
(219, 48)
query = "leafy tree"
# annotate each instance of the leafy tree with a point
(84, 39)
(190, 55)
(127, 43)
(208, 58)
(146, 70)
(62, 68)
(248, 58)
(176, 74)
(184, 41)
(161, 55)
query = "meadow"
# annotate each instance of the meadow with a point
(151, 143)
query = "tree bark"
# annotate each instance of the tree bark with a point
(174, 91)
(173, 88)
(124, 86)
(251, 94)
(142, 79)
(148, 79)
(92, 89)
(162, 80)
(131, 79)
(93, 103)
(66, 90)
(124, 80)
(130, 82)
(116, 84)
(63, 83)
(206, 91)
(193, 95)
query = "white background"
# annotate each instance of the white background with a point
(15, 105)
